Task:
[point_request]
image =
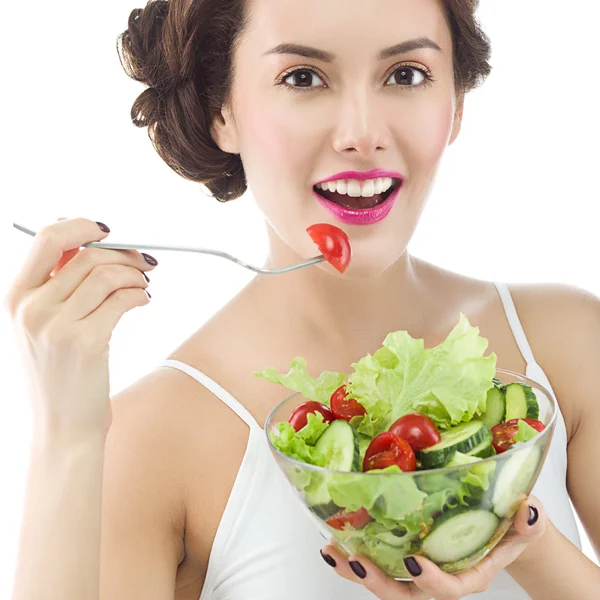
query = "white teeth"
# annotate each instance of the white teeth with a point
(355, 188)
(368, 189)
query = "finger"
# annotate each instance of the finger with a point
(48, 247)
(106, 317)
(340, 562)
(102, 283)
(384, 587)
(431, 581)
(64, 259)
(64, 284)
(521, 535)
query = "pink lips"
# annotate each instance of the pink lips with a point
(368, 216)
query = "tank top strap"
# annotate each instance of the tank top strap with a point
(222, 394)
(515, 323)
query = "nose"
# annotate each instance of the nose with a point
(360, 128)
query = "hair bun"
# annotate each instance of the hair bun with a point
(141, 50)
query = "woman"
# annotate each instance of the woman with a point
(280, 95)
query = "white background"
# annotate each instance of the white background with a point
(516, 198)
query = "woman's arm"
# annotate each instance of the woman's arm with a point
(569, 352)
(133, 478)
(60, 533)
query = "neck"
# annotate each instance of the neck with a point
(343, 313)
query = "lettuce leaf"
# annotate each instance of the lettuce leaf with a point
(300, 444)
(526, 432)
(390, 498)
(448, 383)
(298, 379)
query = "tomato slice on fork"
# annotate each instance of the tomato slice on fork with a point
(333, 244)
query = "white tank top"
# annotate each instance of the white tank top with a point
(267, 545)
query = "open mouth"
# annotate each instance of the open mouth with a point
(357, 195)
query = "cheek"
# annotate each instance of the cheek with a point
(278, 139)
(429, 134)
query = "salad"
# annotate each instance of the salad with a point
(408, 408)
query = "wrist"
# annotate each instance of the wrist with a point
(533, 554)
(62, 442)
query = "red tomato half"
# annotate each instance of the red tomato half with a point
(504, 433)
(356, 520)
(344, 408)
(418, 430)
(333, 244)
(388, 449)
(298, 418)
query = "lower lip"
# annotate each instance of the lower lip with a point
(364, 216)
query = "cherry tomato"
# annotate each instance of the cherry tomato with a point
(504, 433)
(344, 408)
(418, 430)
(356, 520)
(298, 418)
(333, 244)
(388, 449)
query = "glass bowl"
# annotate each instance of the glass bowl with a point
(452, 515)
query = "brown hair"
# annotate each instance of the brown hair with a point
(183, 50)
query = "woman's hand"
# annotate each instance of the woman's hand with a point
(65, 303)
(431, 582)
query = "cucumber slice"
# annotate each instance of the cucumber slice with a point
(340, 442)
(459, 533)
(521, 402)
(496, 408)
(484, 449)
(514, 479)
(462, 438)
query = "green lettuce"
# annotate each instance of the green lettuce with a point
(301, 444)
(448, 383)
(526, 432)
(299, 380)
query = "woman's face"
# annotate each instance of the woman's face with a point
(300, 116)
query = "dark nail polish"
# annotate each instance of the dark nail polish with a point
(146, 277)
(533, 515)
(149, 295)
(412, 566)
(150, 259)
(103, 227)
(328, 559)
(358, 569)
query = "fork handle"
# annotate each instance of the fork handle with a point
(115, 246)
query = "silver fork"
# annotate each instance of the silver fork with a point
(109, 245)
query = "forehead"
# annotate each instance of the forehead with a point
(346, 27)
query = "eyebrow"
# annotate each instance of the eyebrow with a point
(308, 52)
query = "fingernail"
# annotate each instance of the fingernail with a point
(149, 295)
(146, 277)
(328, 559)
(358, 569)
(412, 566)
(150, 259)
(103, 227)
(533, 515)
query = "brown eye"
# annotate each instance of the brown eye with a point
(407, 76)
(302, 78)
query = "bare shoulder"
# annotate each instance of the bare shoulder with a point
(156, 516)
(562, 323)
